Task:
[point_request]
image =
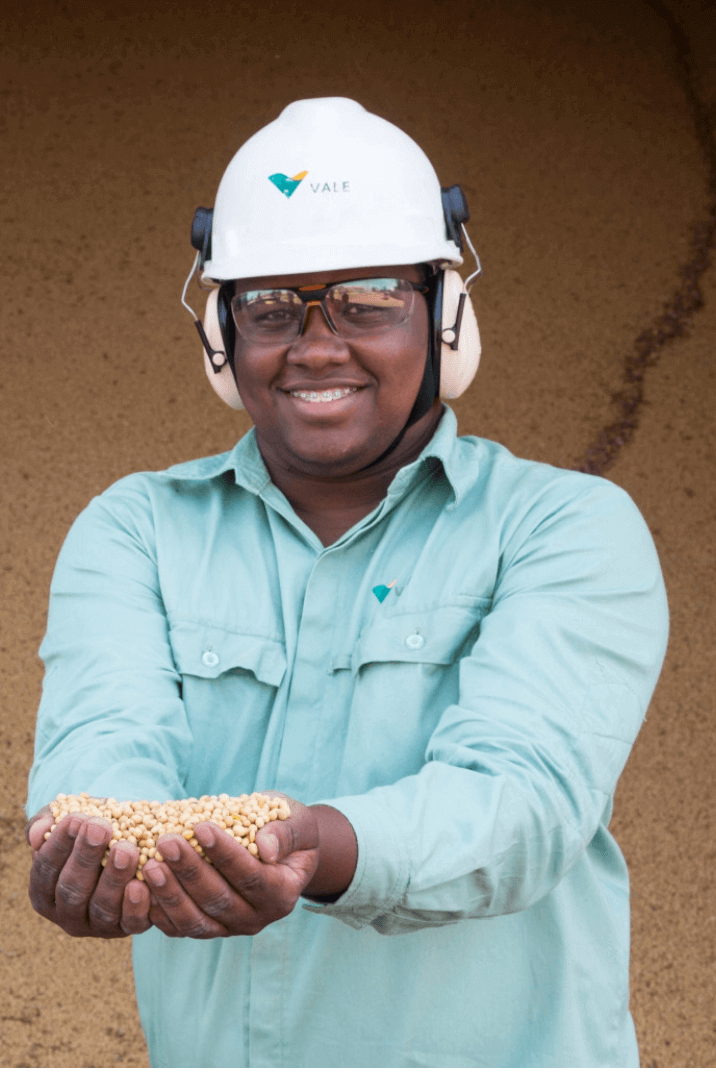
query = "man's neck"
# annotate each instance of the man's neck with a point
(330, 505)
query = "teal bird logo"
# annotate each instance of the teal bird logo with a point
(287, 185)
(381, 591)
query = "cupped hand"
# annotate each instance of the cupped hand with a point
(238, 894)
(69, 886)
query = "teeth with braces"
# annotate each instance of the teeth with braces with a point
(329, 394)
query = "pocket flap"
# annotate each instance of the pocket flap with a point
(433, 636)
(208, 652)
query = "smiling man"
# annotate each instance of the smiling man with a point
(440, 653)
(329, 376)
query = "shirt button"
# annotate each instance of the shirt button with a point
(210, 659)
(415, 641)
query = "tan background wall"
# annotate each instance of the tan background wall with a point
(582, 134)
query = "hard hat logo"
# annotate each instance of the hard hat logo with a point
(287, 185)
(330, 186)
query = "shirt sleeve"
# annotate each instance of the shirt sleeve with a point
(111, 720)
(519, 774)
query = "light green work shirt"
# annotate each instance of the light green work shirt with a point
(462, 674)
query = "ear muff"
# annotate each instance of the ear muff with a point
(457, 367)
(223, 382)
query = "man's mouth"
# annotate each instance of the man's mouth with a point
(323, 395)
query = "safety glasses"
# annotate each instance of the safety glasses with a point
(360, 307)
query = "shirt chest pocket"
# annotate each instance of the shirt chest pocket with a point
(229, 681)
(437, 636)
(406, 673)
(208, 652)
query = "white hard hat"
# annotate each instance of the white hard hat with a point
(327, 185)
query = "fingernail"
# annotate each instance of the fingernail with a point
(170, 850)
(120, 857)
(270, 846)
(156, 876)
(134, 891)
(73, 827)
(95, 833)
(205, 837)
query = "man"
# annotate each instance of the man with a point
(439, 652)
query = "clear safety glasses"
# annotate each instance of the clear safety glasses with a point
(360, 307)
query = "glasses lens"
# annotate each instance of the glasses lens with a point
(268, 316)
(369, 305)
(355, 309)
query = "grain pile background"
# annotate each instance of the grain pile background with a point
(583, 135)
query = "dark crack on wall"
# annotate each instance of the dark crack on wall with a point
(673, 322)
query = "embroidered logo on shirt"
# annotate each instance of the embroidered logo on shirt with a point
(381, 591)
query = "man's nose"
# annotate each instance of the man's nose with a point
(316, 321)
(318, 338)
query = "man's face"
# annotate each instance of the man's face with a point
(374, 376)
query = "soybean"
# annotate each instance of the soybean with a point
(142, 822)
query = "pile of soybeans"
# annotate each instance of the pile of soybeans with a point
(142, 822)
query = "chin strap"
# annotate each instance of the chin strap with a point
(412, 418)
(430, 385)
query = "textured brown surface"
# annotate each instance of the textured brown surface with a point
(581, 132)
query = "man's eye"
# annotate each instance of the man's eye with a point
(273, 315)
(365, 313)
(359, 309)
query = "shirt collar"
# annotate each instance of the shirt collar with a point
(459, 463)
(444, 448)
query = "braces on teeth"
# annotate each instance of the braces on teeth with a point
(329, 394)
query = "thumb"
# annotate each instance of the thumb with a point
(37, 827)
(278, 840)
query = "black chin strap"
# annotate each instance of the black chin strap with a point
(430, 385)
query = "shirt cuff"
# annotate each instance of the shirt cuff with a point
(382, 873)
